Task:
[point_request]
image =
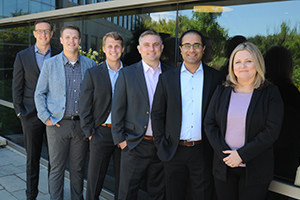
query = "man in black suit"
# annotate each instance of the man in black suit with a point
(179, 107)
(27, 67)
(131, 124)
(95, 115)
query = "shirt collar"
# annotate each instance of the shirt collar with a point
(184, 69)
(36, 50)
(109, 69)
(147, 67)
(66, 61)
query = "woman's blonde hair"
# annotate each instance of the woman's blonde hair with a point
(259, 63)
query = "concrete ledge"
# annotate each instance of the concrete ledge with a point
(2, 141)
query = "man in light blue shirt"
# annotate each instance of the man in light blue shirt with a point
(95, 115)
(27, 67)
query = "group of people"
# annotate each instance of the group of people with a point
(188, 131)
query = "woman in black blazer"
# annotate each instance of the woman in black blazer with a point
(242, 123)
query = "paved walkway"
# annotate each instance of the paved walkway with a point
(12, 177)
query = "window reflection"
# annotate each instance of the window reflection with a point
(274, 23)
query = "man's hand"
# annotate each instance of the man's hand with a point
(123, 144)
(49, 123)
(233, 159)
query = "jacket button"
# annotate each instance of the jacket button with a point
(145, 126)
(147, 112)
(63, 108)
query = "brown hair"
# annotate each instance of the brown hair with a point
(43, 21)
(69, 26)
(114, 35)
(149, 32)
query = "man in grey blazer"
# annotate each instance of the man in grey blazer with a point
(27, 67)
(95, 115)
(56, 99)
(131, 124)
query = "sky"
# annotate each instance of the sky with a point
(251, 19)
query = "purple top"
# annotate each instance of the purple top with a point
(236, 120)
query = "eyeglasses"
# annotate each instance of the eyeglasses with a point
(39, 31)
(187, 46)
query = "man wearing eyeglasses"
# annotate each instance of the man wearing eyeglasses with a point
(27, 67)
(179, 106)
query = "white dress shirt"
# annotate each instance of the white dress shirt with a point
(113, 75)
(151, 78)
(191, 95)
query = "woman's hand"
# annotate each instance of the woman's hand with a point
(233, 159)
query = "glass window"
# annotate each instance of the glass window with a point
(116, 20)
(265, 24)
(10, 8)
(22, 7)
(46, 1)
(94, 43)
(121, 21)
(46, 7)
(34, 7)
(129, 22)
(125, 21)
(1, 10)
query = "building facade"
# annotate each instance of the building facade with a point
(265, 23)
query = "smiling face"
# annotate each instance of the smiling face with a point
(70, 40)
(192, 56)
(113, 49)
(43, 34)
(150, 48)
(244, 67)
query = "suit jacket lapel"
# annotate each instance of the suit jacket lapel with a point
(105, 75)
(141, 79)
(207, 76)
(255, 96)
(177, 84)
(59, 69)
(224, 108)
(32, 57)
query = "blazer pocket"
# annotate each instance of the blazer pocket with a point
(129, 125)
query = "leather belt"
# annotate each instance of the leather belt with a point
(149, 137)
(106, 125)
(189, 143)
(71, 118)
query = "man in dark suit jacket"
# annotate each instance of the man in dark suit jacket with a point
(131, 126)
(95, 115)
(179, 107)
(27, 67)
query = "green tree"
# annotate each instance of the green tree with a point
(287, 37)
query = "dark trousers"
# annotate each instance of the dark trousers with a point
(188, 167)
(137, 163)
(34, 131)
(66, 142)
(101, 149)
(235, 187)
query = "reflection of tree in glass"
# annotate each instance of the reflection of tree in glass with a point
(15, 39)
(206, 23)
(287, 37)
